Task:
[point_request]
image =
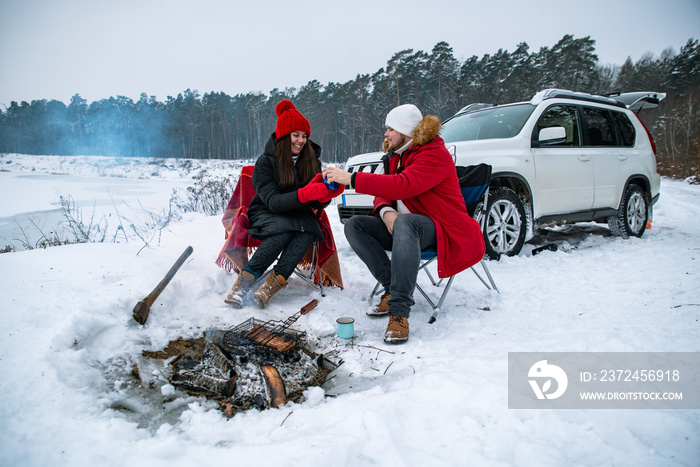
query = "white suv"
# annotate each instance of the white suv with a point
(563, 157)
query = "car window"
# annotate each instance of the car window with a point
(601, 129)
(563, 116)
(626, 128)
(496, 122)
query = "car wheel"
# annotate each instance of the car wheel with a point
(632, 216)
(506, 223)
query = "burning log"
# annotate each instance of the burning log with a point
(275, 386)
(215, 373)
(193, 379)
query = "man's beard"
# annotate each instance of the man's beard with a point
(399, 144)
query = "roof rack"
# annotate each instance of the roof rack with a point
(473, 108)
(581, 96)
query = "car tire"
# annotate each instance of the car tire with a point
(632, 215)
(506, 223)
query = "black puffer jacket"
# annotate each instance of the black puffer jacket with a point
(274, 210)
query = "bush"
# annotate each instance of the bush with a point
(208, 196)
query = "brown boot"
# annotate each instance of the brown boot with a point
(397, 330)
(240, 289)
(272, 285)
(383, 308)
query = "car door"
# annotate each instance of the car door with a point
(607, 156)
(563, 171)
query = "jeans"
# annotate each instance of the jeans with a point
(292, 246)
(369, 239)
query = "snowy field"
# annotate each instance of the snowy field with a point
(69, 346)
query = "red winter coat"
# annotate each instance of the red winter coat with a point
(427, 184)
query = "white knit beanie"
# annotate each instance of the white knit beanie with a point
(404, 119)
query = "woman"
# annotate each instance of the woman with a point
(289, 191)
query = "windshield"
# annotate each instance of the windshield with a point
(496, 122)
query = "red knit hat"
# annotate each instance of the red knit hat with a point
(289, 119)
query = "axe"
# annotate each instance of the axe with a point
(143, 307)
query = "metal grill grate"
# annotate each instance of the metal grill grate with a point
(272, 334)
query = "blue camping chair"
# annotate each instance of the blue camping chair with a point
(474, 182)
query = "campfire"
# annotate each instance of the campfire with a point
(255, 364)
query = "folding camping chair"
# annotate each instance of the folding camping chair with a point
(474, 182)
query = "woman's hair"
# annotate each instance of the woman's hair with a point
(306, 164)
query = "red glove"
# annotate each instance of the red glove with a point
(312, 192)
(317, 178)
(332, 194)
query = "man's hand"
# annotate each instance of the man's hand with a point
(334, 174)
(389, 218)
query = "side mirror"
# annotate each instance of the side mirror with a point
(552, 135)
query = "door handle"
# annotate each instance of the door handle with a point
(621, 158)
(584, 158)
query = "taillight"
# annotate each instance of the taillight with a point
(651, 138)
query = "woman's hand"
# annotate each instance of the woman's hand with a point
(317, 178)
(314, 191)
(333, 193)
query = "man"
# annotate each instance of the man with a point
(418, 204)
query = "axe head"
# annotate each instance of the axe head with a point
(141, 311)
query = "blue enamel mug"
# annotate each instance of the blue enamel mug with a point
(346, 327)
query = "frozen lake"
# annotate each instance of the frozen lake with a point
(31, 201)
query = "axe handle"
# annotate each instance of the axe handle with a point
(166, 280)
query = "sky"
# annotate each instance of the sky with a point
(104, 48)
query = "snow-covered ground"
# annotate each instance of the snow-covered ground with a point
(69, 346)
